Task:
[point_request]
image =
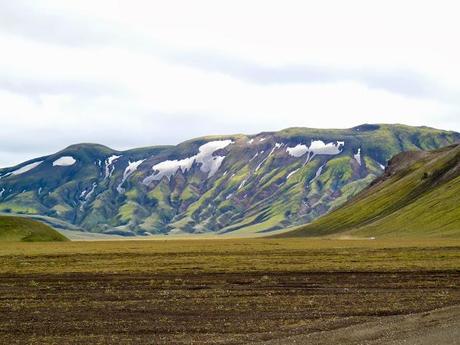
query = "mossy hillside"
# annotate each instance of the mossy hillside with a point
(17, 229)
(435, 214)
(352, 189)
(419, 200)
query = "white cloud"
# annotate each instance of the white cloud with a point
(150, 72)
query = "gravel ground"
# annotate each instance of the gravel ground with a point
(438, 327)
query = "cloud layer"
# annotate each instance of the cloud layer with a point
(152, 72)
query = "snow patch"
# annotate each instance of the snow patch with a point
(1, 192)
(358, 156)
(26, 168)
(64, 161)
(317, 147)
(260, 164)
(216, 163)
(169, 168)
(109, 167)
(209, 163)
(254, 157)
(262, 139)
(88, 195)
(242, 184)
(130, 169)
(291, 173)
(271, 152)
(319, 171)
(297, 151)
(250, 141)
(82, 194)
(382, 166)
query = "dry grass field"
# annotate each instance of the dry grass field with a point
(216, 291)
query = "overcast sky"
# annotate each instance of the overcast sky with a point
(137, 73)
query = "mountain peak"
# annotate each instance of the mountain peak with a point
(88, 146)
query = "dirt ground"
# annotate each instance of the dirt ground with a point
(440, 326)
(231, 308)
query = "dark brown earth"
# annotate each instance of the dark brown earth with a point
(216, 308)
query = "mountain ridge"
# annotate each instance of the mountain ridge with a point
(225, 183)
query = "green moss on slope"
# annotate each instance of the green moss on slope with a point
(419, 195)
(16, 229)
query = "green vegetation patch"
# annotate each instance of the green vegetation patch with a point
(17, 229)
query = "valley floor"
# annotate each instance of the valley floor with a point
(230, 292)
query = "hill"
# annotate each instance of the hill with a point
(418, 195)
(17, 229)
(220, 184)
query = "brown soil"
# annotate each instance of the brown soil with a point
(221, 308)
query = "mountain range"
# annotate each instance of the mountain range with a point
(217, 184)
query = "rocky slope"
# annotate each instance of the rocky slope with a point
(234, 183)
(418, 195)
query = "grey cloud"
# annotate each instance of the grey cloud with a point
(32, 21)
(34, 88)
(42, 24)
(400, 81)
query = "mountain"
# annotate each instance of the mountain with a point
(418, 195)
(234, 183)
(17, 229)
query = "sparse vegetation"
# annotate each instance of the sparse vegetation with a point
(215, 291)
